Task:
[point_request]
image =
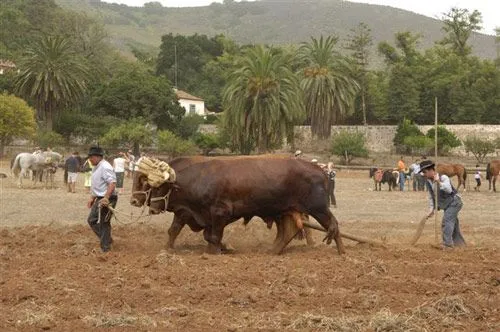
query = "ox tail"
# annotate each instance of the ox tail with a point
(16, 166)
(465, 174)
(488, 171)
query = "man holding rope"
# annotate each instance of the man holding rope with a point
(102, 195)
(448, 200)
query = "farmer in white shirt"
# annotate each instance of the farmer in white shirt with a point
(102, 195)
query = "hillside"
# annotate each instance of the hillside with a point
(266, 21)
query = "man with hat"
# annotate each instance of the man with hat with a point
(448, 200)
(102, 195)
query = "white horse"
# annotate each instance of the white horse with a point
(25, 162)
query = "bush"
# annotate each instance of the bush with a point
(211, 119)
(207, 142)
(446, 139)
(405, 129)
(349, 145)
(419, 144)
(173, 145)
(480, 148)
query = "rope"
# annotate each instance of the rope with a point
(164, 198)
(115, 211)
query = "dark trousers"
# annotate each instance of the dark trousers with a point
(331, 193)
(418, 182)
(102, 227)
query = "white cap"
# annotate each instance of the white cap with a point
(314, 160)
(298, 153)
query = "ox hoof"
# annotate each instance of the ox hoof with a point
(213, 249)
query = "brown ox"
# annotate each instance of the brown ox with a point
(288, 224)
(492, 172)
(212, 194)
(452, 170)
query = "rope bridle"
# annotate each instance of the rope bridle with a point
(164, 198)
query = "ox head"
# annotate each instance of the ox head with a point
(140, 190)
(149, 183)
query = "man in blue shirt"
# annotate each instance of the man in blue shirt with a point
(448, 200)
(102, 195)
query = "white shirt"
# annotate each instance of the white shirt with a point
(477, 175)
(119, 165)
(102, 175)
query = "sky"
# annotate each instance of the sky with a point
(490, 9)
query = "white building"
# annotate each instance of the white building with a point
(192, 104)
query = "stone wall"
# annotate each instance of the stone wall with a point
(379, 138)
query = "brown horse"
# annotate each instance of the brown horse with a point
(452, 170)
(492, 171)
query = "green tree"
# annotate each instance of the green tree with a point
(479, 147)
(131, 133)
(207, 142)
(459, 24)
(406, 128)
(404, 61)
(359, 43)
(349, 145)
(17, 119)
(136, 93)
(173, 145)
(420, 144)
(53, 77)
(328, 85)
(262, 100)
(446, 139)
(188, 126)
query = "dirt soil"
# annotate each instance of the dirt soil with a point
(54, 277)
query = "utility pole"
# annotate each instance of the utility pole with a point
(436, 186)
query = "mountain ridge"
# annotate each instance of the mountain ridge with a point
(268, 21)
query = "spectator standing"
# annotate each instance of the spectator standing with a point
(119, 168)
(72, 167)
(131, 163)
(478, 177)
(402, 176)
(330, 171)
(87, 171)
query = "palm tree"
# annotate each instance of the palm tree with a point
(262, 100)
(328, 84)
(53, 76)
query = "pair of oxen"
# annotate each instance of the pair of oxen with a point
(210, 193)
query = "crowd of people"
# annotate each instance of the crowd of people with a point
(124, 166)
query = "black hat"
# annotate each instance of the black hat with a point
(426, 164)
(96, 151)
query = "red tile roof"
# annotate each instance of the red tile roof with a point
(184, 95)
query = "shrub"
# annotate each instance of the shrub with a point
(349, 145)
(419, 144)
(173, 145)
(206, 142)
(405, 129)
(446, 139)
(480, 148)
